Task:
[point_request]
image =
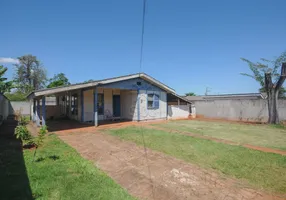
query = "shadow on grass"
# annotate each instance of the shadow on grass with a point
(53, 157)
(14, 182)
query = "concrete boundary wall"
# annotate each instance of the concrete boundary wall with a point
(255, 110)
(20, 106)
(178, 111)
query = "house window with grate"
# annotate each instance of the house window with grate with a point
(153, 101)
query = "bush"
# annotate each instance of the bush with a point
(23, 121)
(39, 140)
(22, 133)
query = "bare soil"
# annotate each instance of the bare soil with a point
(148, 174)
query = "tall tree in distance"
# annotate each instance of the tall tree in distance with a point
(271, 81)
(190, 94)
(30, 74)
(5, 86)
(259, 69)
(58, 80)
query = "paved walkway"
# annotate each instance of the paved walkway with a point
(148, 174)
(249, 146)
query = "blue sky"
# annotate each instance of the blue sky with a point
(189, 45)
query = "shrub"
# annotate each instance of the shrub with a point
(39, 140)
(23, 121)
(22, 133)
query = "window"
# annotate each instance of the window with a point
(100, 104)
(153, 101)
(74, 104)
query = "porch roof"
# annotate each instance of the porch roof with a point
(51, 91)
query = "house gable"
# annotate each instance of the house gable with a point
(133, 84)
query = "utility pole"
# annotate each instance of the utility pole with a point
(207, 91)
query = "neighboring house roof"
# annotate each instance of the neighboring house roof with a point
(50, 91)
(228, 96)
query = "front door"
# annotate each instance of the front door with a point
(116, 105)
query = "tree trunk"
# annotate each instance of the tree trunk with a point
(272, 106)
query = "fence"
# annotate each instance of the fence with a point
(255, 110)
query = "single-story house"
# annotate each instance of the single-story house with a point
(135, 97)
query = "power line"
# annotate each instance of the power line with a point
(142, 34)
(140, 70)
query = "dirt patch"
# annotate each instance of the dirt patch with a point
(249, 146)
(148, 174)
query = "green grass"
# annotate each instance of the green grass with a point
(259, 135)
(59, 173)
(263, 170)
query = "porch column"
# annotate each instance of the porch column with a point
(43, 111)
(82, 105)
(70, 106)
(178, 101)
(38, 113)
(34, 111)
(95, 107)
(138, 105)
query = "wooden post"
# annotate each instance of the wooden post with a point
(43, 111)
(34, 110)
(95, 107)
(82, 105)
(138, 104)
(38, 113)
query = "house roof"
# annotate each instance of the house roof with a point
(50, 91)
(2, 96)
(228, 96)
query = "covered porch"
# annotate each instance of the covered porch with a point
(92, 106)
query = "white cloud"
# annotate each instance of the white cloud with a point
(9, 60)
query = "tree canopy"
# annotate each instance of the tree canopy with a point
(264, 66)
(30, 74)
(58, 80)
(190, 94)
(5, 86)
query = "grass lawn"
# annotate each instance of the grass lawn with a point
(259, 135)
(263, 170)
(59, 173)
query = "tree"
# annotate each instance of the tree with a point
(30, 74)
(88, 81)
(259, 69)
(5, 86)
(272, 90)
(190, 94)
(270, 80)
(16, 96)
(58, 80)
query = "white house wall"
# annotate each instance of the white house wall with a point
(89, 101)
(178, 111)
(148, 114)
(88, 105)
(128, 104)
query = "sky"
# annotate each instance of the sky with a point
(188, 45)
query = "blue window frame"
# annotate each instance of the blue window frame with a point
(100, 104)
(153, 101)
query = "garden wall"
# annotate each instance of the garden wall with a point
(255, 110)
